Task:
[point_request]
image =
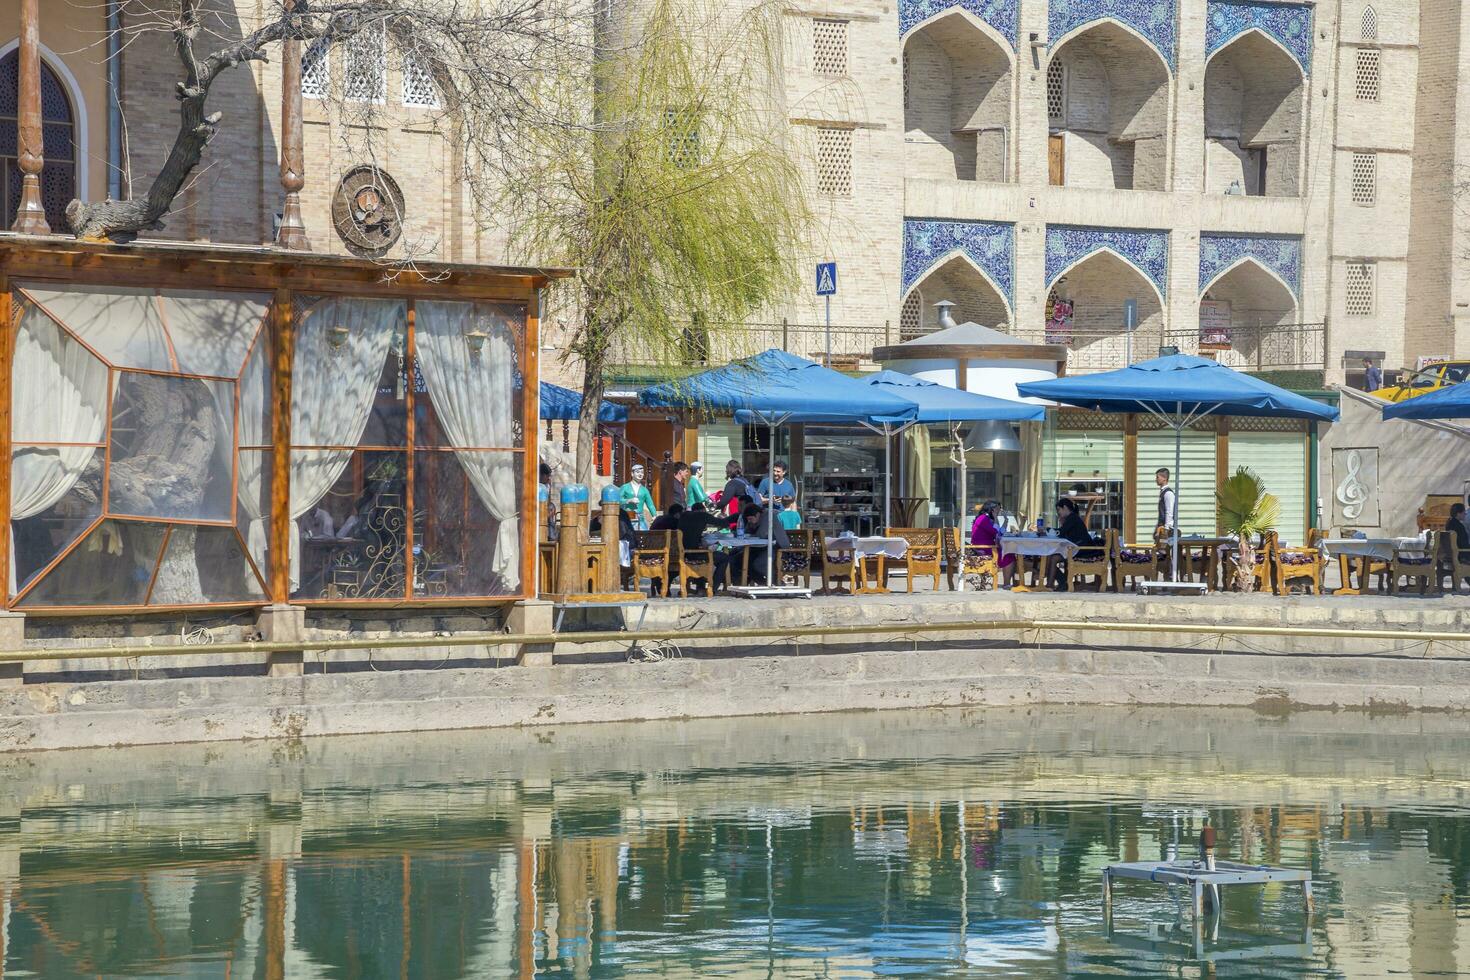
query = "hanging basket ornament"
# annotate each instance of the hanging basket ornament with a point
(367, 211)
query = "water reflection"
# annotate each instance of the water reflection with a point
(937, 843)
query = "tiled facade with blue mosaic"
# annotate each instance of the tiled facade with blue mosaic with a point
(1281, 254)
(1289, 23)
(991, 245)
(1146, 251)
(1003, 15)
(1156, 20)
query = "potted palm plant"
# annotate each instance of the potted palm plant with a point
(1247, 512)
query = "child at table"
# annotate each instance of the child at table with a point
(789, 516)
(987, 531)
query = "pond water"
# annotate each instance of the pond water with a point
(925, 844)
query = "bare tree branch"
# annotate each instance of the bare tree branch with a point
(483, 54)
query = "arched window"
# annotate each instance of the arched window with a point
(59, 132)
(1370, 24)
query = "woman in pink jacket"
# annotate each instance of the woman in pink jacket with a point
(987, 531)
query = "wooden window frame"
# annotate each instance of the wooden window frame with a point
(40, 267)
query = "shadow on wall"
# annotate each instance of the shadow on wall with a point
(1414, 459)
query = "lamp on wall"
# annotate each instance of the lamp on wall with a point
(992, 437)
(476, 341)
(337, 337)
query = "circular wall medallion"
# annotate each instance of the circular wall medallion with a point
(368, 211)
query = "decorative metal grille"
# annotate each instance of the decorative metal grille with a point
(1056, 90)
(1365, 178)
(911, 318)
(1370, 24)
(834, 161)
(829, 47)
(1359, 279)
(907, 96)
(364, 71)
(316, 72)
(419, 88)
(1247, 423)
(1081, 420)
(1367, 75)
(683, 135)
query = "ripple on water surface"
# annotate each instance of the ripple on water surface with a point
(924, 844)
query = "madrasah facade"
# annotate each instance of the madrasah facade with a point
(1279, 180)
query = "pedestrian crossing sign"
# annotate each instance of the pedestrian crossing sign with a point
(826, 278)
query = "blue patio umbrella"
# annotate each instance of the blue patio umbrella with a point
(1447, 403)
(776, 388)
(563, 404)
(1177, 390)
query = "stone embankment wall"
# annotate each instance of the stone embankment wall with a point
(209, 697)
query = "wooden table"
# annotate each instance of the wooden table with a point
(1362, 552)
(876, 549)
(1209, 550)
(1045, 549)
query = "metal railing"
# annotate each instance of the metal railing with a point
(1277, 347)
(714, 344)
(1274, 347)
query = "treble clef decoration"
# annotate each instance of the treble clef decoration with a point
(1352, 492)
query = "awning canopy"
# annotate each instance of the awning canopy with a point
(564, 404)
(1447, 403)
(942, 404)
(776, 388)
(1179, 384)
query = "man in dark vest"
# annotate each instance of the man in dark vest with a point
(1168, 500)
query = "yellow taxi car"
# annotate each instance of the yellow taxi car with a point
(1431, 377)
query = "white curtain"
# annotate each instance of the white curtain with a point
(59, 395)
(473, 395)
(254, 390)
(340, 349)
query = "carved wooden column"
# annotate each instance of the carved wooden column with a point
(30, 216)
(292, 233)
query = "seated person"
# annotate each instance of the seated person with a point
(789, 516)
(742, 501)
(693, 523)
(757, 522)
(1456, 526)
(668, 520)
(1070, 528)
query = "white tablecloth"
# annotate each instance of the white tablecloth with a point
(1034, 547)
(1381, 549)
(870, 547)
(730, 541)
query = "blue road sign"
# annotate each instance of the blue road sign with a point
(826, 278)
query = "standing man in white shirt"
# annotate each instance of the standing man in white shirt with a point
(1168, 500)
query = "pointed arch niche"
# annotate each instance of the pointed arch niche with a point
(1108, 110)
(957, 100)
(1254, 95)
(1095, 288)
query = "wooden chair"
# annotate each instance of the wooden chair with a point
(1097, 562)
(797, 561)
(698, 563)
(651, 558)
(1306, 564)
(1146, 562)
(1413, 567)
(980, 560)
(925, 551)
(1450, 561)
(834, 565)
(1264, 572)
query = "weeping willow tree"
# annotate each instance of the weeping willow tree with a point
(671, 184)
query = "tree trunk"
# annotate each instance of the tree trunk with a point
(1245, 566)
(593, 387)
